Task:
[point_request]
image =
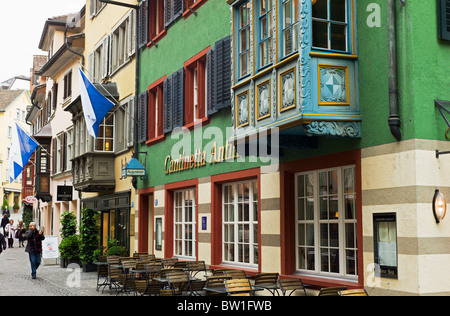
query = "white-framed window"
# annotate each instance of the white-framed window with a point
(326, 223)
(184, 221)
(98, 60)
(95, 7)
(119, 46)
(123, 42)
(330, 27)
(70, 148)
(59, 151)
(124, 123)
(290, 19)
(9, 133)
(67, 85)
(105, 137)
(240, 223)
(81, 137)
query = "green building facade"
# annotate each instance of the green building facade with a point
(296, 137)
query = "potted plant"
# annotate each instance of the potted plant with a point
(69, 249)
(114, 248)
(89, 234)
(68, 228)
(16, 207)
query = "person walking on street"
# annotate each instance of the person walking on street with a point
(6, 212)
(21, 231)
(10, 233)
(2, 243)
(5, 221)
(34, 248)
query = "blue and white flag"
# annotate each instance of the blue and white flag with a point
(95, 105)
(22, 148)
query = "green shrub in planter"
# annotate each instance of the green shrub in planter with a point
(116, 251)
(68, 224)
(69, 248)
(89, 233)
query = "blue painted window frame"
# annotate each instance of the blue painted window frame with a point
(239, 29)
(291, 27)
(348, 32)
(269, 37)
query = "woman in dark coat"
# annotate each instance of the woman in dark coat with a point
(5, 221)
(21, 233)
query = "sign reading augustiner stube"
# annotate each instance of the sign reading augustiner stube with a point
(198, 159)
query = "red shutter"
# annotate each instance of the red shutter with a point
(152, 14)
(189, 96)
(151, 114)
(201, 88)
(160, 130)
(160, 15)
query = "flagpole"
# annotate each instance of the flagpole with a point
(117, 103)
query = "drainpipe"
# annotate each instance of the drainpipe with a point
(68, 43)
(394, 117)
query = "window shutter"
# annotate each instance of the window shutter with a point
(55, 95)
(223, 73)
(63, 151)
(178, 98)
(131, 123)
(152, 16)
(160, 13)
(54, 155)
(444, 19)
(168, 15)
(92, 7)
(131, 33)
(167, 106)
(143, 24)
(152, 115)
(159, 105)
(91, 66)
(173, 9)
(142, 117)
(105, 56)
(211, 82)
(178, 9)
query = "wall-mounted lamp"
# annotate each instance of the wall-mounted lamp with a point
(439, 206)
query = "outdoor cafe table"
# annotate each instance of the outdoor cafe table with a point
(223, 290)
(105, 283)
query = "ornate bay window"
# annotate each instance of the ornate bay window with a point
(295, 66)
(93, 159)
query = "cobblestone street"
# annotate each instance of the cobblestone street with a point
(52, 280)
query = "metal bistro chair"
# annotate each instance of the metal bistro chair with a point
(126, 277)
(102, 273)
(113, 273)
(146, 257)
(169, 262)
(236, 274)
(196, 267)
(356, 292)
(267, 281)
(331, 291)
(145, 285)
(239, 287)
(153, 270)
(291, 285)
(215, 285)
(178, 281)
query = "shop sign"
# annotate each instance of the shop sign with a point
(198, 159)
(64, 193)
